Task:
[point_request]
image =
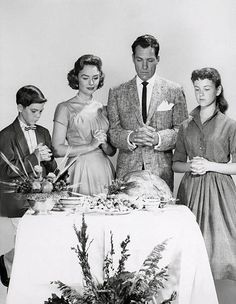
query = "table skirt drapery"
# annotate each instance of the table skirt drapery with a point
(43, 253)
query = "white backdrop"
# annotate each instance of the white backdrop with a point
(41, 39)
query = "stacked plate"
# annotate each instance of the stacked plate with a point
(71, 202)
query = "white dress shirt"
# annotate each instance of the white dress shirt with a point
(149, 87)
(30, 137)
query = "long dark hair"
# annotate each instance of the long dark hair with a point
(213, 75)
(72, 76)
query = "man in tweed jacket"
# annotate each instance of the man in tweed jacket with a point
(146, 145)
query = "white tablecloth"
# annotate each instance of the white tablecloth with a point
(43, 252)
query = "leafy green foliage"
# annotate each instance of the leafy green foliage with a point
(119, 286)
(56, 300)
(33, 181)
(119, 186)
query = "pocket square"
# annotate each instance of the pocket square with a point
(165, 106)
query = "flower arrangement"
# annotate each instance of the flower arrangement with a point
(33, 185)
(120, 286)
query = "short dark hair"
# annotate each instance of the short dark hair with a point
(29, 94)
(213, 75)
(145, 41)
(72, 76)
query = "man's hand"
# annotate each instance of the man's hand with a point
(144, 136)
(43, 153)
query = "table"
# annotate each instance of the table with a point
(43, 252)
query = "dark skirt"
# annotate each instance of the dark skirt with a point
(212, 198)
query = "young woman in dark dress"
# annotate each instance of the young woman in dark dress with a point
(206, 153)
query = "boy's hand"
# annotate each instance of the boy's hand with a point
(43, 153)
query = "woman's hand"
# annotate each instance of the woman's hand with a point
(199, 165)
(99, 137)
(100, 140)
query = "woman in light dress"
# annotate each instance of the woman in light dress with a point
(206, 153)
(80, 130)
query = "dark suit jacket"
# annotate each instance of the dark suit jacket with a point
(11, 139)
(167, 110)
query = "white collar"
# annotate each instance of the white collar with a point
(150, 81)
(22, 124)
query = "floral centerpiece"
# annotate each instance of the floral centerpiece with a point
(35, 186)
(120, 286)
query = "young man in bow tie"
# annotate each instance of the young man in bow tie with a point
(33, 143)
(144, 115)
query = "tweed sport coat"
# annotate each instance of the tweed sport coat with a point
(11, 140)
(167, 110)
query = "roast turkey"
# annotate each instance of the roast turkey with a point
(142, 184)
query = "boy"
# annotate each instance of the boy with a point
(33, 142)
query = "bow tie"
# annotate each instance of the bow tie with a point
(27, 128)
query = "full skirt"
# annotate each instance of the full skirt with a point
(92, 173)
(212, 198)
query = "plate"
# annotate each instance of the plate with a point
(58, 209)
(106, 212)
(71, 201)
(117, 212)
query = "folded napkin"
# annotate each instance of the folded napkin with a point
(165, 106)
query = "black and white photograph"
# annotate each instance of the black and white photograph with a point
(117, 152)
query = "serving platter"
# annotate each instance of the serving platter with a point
(110, 205)
(118, 212)
(106, 212)
(71, 200)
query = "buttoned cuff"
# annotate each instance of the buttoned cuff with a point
(131, 146)
(159, 142)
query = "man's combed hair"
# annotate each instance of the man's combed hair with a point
(72, 76)
(145, 41)
(213, 75)
(29, 94)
